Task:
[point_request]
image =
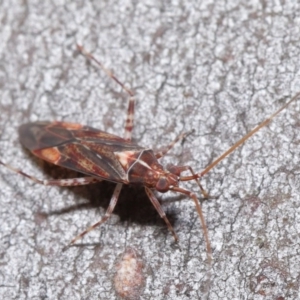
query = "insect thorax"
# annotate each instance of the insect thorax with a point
(143, 167)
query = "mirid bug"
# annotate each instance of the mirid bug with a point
(104, 156)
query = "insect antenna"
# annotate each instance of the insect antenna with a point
(239, 142)
(197, 176)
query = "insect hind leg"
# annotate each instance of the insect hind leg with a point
(129, 119)
(57, 182)
(112, 204)
(131, 101)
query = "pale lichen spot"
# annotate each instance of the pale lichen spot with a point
(129, 279)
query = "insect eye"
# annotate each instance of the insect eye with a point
(162, 185)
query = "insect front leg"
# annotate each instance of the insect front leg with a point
(112, 204)
(160, 211)
(57, 182)
(177, 170)
(166, 149)
(201, 216)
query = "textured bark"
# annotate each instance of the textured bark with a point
(219, 69)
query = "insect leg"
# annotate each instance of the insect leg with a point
(178, 169)
(166, 149)
(160, 211)
(129, 119)
(112, 204)
(130, 109)
(58, 182)
(203, 223)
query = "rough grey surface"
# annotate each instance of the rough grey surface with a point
(217, 68)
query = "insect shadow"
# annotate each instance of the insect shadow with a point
(133, 204)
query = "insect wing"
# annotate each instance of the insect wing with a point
(77, 147)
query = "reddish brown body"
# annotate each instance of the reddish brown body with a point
(95, 153)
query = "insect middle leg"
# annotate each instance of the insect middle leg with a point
(57, 182)
(112, 204)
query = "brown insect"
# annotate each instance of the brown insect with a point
(104, 156)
